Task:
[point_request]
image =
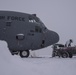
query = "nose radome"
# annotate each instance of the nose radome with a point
(54, 36)
(51, 37)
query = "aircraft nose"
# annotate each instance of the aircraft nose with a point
(51, 37)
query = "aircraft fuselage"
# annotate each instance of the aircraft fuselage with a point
(24, 31)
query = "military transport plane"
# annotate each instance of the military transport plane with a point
(24, 32)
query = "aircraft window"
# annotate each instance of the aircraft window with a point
(20, 36)
(32, 19)
(8, 23)
(38, 29)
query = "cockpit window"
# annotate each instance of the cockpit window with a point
(32, 19)
(38, 29)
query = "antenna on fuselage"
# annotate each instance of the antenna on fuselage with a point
(34, 15)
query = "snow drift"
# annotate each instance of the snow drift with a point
(14, 65)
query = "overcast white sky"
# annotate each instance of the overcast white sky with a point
(57, 15)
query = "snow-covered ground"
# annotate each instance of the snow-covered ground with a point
(14, 65)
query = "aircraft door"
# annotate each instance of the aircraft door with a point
(43, 40)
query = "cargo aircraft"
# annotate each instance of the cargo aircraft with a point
(24, 32)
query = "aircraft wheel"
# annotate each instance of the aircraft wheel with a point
(65, 55)
(24, 54)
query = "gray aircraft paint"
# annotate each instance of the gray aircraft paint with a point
(24, 31)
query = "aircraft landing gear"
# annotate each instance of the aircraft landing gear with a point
(24, 54)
